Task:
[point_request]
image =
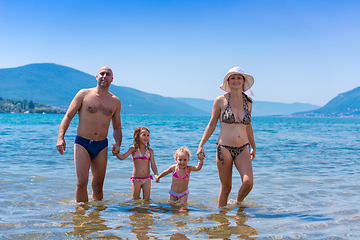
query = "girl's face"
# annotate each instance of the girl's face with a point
(236, 81)
(144, 137)
(182, 159)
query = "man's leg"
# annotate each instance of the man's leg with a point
(82, 165)
(98, 171)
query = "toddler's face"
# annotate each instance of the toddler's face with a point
(182, 159)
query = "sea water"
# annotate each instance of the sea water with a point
(306, 183)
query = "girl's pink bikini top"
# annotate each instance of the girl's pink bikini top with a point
(138, 155)
(176, 175)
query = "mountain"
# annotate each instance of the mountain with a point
(260, 108)
(343, 105)
(56, 85)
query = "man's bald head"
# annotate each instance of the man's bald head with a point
(106, 69)
(104, 76)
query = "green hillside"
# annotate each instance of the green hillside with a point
(25, 106)
(56, 85)
(344, 105)
(46, 83)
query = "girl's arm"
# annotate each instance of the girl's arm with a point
(125, 155)
(199, 166)
(215, 114)
(153, 164)
(250, 136)
(164, 173)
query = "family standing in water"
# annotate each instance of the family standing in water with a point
(97, 106)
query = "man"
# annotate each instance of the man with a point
(96, 107)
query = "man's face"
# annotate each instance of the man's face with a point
(104, 77)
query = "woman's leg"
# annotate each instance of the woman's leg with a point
(225, 175)
(244, 167)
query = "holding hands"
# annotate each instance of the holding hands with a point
(200, 153)
(115, 149)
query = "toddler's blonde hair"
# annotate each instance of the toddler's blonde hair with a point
(184, 150)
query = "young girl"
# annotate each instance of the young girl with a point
(179, 190)
(142, 156)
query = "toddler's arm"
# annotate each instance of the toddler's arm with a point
(125, 155)
(200, 164)
(164, 173)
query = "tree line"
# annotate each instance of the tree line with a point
(26, 106)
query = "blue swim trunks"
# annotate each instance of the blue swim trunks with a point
(93, 147)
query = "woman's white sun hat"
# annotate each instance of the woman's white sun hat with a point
(249, 80)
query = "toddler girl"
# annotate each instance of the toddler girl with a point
(142, 156)
(179, 190)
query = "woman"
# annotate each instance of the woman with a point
(236, 134)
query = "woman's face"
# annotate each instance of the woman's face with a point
(236, 81)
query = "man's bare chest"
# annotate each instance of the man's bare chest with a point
(102, 106)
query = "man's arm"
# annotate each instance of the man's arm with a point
(116, 123)
(74, 107)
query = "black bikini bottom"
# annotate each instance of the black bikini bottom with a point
(234, 151)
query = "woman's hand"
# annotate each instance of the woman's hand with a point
(252, 154)
(200, 153)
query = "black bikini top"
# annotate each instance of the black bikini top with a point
(228, 116)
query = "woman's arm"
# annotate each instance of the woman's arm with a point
(250, 136)
(210, 128)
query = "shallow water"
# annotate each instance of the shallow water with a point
(306, 176)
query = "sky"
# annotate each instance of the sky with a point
(305, 51)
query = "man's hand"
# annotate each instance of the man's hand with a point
(61, 145)
(115, 149)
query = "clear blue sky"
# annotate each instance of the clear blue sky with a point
(298, 51)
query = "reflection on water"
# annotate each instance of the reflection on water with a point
(142, 221)
(148, 220)
(224, 230)
(86, 221)
(178, 236)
